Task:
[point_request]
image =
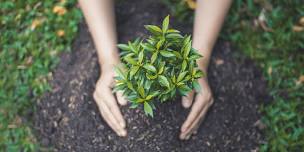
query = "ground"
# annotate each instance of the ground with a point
(67, 118)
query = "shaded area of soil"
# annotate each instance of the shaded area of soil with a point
(68, 119)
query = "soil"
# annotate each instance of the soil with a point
(67, 118)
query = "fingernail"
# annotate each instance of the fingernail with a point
(123, 133)
(186, 103)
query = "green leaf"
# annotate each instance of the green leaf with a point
(181, 76)
(154, 57)
(140, 100)
(130, 60)
(147, 46)
(149, 97)
(162, 67)
(188, 77)
(140, 57)
(174, 36)
(134, 105)
(132, 97)
(198, 74)
(130, 86)
(195, 52)
(166, 53)
(151, 77)
(184, 89)
(196, 86)
(118, 88)
(173, 79)
(163, 81)
(155, 93)
(165, 24)
(148, 84)
(187, 40)
(132, 47)
(173, 92)
(154, 29)
(124, 47)
(194, 57)
(141, 91)
(187, 49)
(160, 43)
(173, 31)
(150, 67)
(148, 109)
(177, 54)
(133, 70)
(119, 72)
(184, 65)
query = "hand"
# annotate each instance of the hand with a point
(202, 102)
(106, 101)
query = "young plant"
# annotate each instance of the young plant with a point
(157, 68)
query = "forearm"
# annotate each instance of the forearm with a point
(100, 18)
(209, 17)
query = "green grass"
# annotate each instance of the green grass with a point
(29, 47)
(280, 53)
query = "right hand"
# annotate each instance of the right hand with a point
(106, 101)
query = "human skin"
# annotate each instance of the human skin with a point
(100, 18)
(209, 17)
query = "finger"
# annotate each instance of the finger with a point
(121, 100)
(194, 113)
(110, 122)
(108, 117)
(187, 100)
(195, 129)
(194, 125)
(111, 103)
(197, 122)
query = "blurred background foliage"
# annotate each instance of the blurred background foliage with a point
(33, 32)
(271, 32)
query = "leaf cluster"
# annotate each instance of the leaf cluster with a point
(157, 68)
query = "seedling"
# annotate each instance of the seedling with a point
(157, 68)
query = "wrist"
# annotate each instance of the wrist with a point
(203, 67)
(109, 59)
(203, 62)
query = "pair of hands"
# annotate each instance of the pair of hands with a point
(110, 111)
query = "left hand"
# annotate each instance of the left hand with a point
(202, 102)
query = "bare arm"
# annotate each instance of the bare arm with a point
(209, 17)
(99, 15)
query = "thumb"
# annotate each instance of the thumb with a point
(187, 100)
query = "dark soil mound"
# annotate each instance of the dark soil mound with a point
(68, 119)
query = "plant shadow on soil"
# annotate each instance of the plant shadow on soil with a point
(67, 118)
